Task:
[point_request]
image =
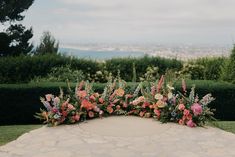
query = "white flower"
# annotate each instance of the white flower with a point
(170, 95)
(158, 97)
(170, 87)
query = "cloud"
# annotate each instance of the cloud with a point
(134, 20)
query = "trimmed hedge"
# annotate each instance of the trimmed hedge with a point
(19, 102)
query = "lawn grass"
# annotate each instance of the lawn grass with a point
(12, 132)
(225, 125)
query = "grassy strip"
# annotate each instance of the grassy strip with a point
(12, 132)
(225, 125)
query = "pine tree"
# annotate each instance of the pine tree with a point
(15, 40)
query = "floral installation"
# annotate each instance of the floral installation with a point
(158, 100)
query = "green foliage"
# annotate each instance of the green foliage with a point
(151, 74)
(192, 71)
(19, 102)
(15, 40)
(125, 65)
(228, 70)
(47, 45)
(10, 10)
(61, 74)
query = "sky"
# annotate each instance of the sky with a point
(134, 21)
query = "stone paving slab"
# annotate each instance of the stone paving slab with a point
(122, 137)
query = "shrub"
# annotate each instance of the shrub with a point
(19, 102)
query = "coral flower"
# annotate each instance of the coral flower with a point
(160, 83)
(71, 107)
(82, 94)
(76, 117)
(157, 112)
(191, 124)
(91, 114)
(186, 112)
(197, 109)
(92, 98)
(109, 109)
(64, 113)
(119, 92)
(181, 122)
(145, 104)
(87, 105)
(118, 107)
(181, 107)
(101, 100)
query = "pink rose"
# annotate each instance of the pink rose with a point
(191, 124)
(76, 117)
(181, 107)
(197, 109)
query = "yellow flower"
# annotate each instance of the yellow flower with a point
(158, 97)
(119, 92)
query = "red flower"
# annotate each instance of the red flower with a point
(157, 112)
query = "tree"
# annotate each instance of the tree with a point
(48, 44)
(228, 70)
(15, 39)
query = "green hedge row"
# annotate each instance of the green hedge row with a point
(22, 69)
(19, 102)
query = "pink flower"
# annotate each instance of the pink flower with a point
(160, 83)
(101, 100)
(110, 109)
(48, 97)
(191, 124)
(76, 117)
(57, 100)
(184, 88)
(118, 107)
(181, 122)
(186, 112)
(181, 107)
(82, 94)
(71, 107)
(142, 113)
(197, 109)
(54, 110)
(91, 114)
(92, 98)
(157, 112)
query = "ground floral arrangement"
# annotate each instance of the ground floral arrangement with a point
(158, 100)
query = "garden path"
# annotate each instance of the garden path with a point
(122, 137)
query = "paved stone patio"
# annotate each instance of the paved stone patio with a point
(122, 137)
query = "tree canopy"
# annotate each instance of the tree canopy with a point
(15, 39)
(48, 44)
(10, 10)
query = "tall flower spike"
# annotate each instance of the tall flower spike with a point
(184, 88)
(160, 83)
